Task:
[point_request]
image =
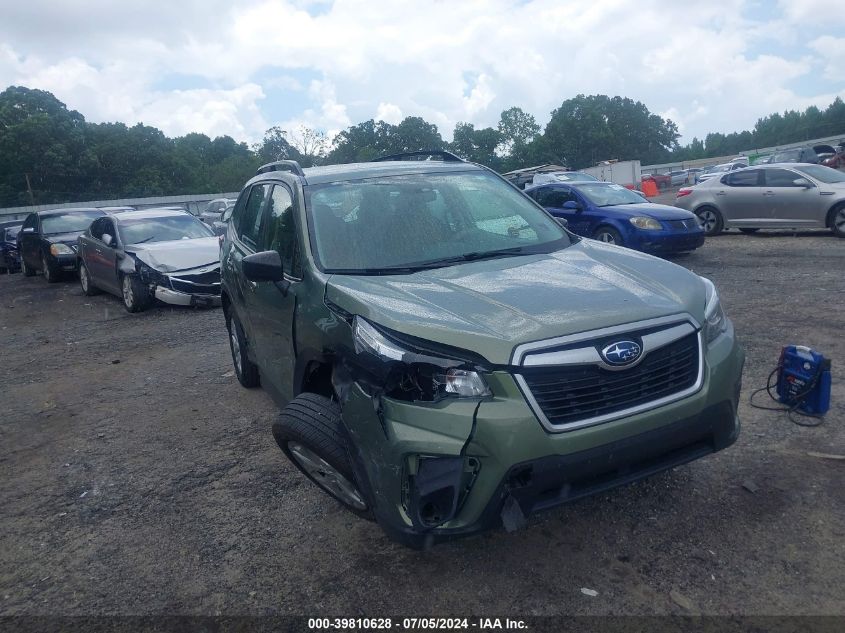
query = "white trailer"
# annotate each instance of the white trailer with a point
(627, 173)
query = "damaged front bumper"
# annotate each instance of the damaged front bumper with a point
(198, 287)
(173, 297)
(435, 471)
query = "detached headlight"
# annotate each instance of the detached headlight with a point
(649, 224)
(715, 321)
(60, 249)
(417, 375)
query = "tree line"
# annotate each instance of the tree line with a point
(51, 154)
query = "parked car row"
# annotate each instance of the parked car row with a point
(160, 254)
(769, 196)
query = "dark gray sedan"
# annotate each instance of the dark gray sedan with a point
(141, 256)
(779, 196)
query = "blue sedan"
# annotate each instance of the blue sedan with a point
(611, 213)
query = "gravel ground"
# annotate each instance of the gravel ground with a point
(137, 477)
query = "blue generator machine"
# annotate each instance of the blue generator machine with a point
(804, 380)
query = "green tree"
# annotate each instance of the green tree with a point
(43, 140)
(274, 146)
(518, 131)
(478, 146)
(588, 129)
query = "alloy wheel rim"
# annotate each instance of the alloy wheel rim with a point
(83, 278)
(128, 296)
(839, 221)
(236, 350)
(708, 221)
(46, 268)
(327, 476)
(607, 238)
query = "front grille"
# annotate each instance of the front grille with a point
(203, 283)
(569, 394)
(684, 225)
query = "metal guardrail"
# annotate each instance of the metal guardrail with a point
(718, 160)
(193, 203)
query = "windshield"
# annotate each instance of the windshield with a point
(576, 175)
(163, 229)
(787, 157)
(396, 223)
(68, 222)
(605, 194)
(822, 173)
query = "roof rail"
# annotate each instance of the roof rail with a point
(447, 157)
(281, 165)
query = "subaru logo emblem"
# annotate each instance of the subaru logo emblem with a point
(621, 353)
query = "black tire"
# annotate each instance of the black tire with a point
(749, 231)
(837, 220)
(136, 295)
(245, 370)
(608, 235)
(711, 220)
(51, 275)
(313, 423)
(26, 270)
(88, 287)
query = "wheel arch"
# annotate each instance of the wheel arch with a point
(828, 221)
(313, 373)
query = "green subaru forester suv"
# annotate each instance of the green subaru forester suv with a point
(448, 358)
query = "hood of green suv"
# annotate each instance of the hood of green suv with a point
(490, 306)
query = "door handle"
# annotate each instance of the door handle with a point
(720, 193)
(768, 193)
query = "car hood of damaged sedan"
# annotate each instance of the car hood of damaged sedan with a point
(176, 255)
(491, 306)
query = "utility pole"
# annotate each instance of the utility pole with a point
(29, 190)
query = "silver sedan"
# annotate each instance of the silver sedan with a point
(780, 196)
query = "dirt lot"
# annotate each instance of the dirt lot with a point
(137, 477)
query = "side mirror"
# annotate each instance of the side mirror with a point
(264, 266)
(107, 239)
(563, 222)
(28, 229)
(802, 182)
(571, 205)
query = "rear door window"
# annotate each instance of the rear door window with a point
(749, 178)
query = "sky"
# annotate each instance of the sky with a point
(237, 68)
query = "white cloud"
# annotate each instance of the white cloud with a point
(832, 50)
(711, 67)
(389, 113)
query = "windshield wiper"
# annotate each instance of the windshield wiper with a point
(146, 239)
(473, 256)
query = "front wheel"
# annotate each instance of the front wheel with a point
(88, 288)
(245, 370)
(608, 235)
(710, 220)
(309, 431)
(26, 270)
(136, 296)
(837, 221)
(51, 275)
